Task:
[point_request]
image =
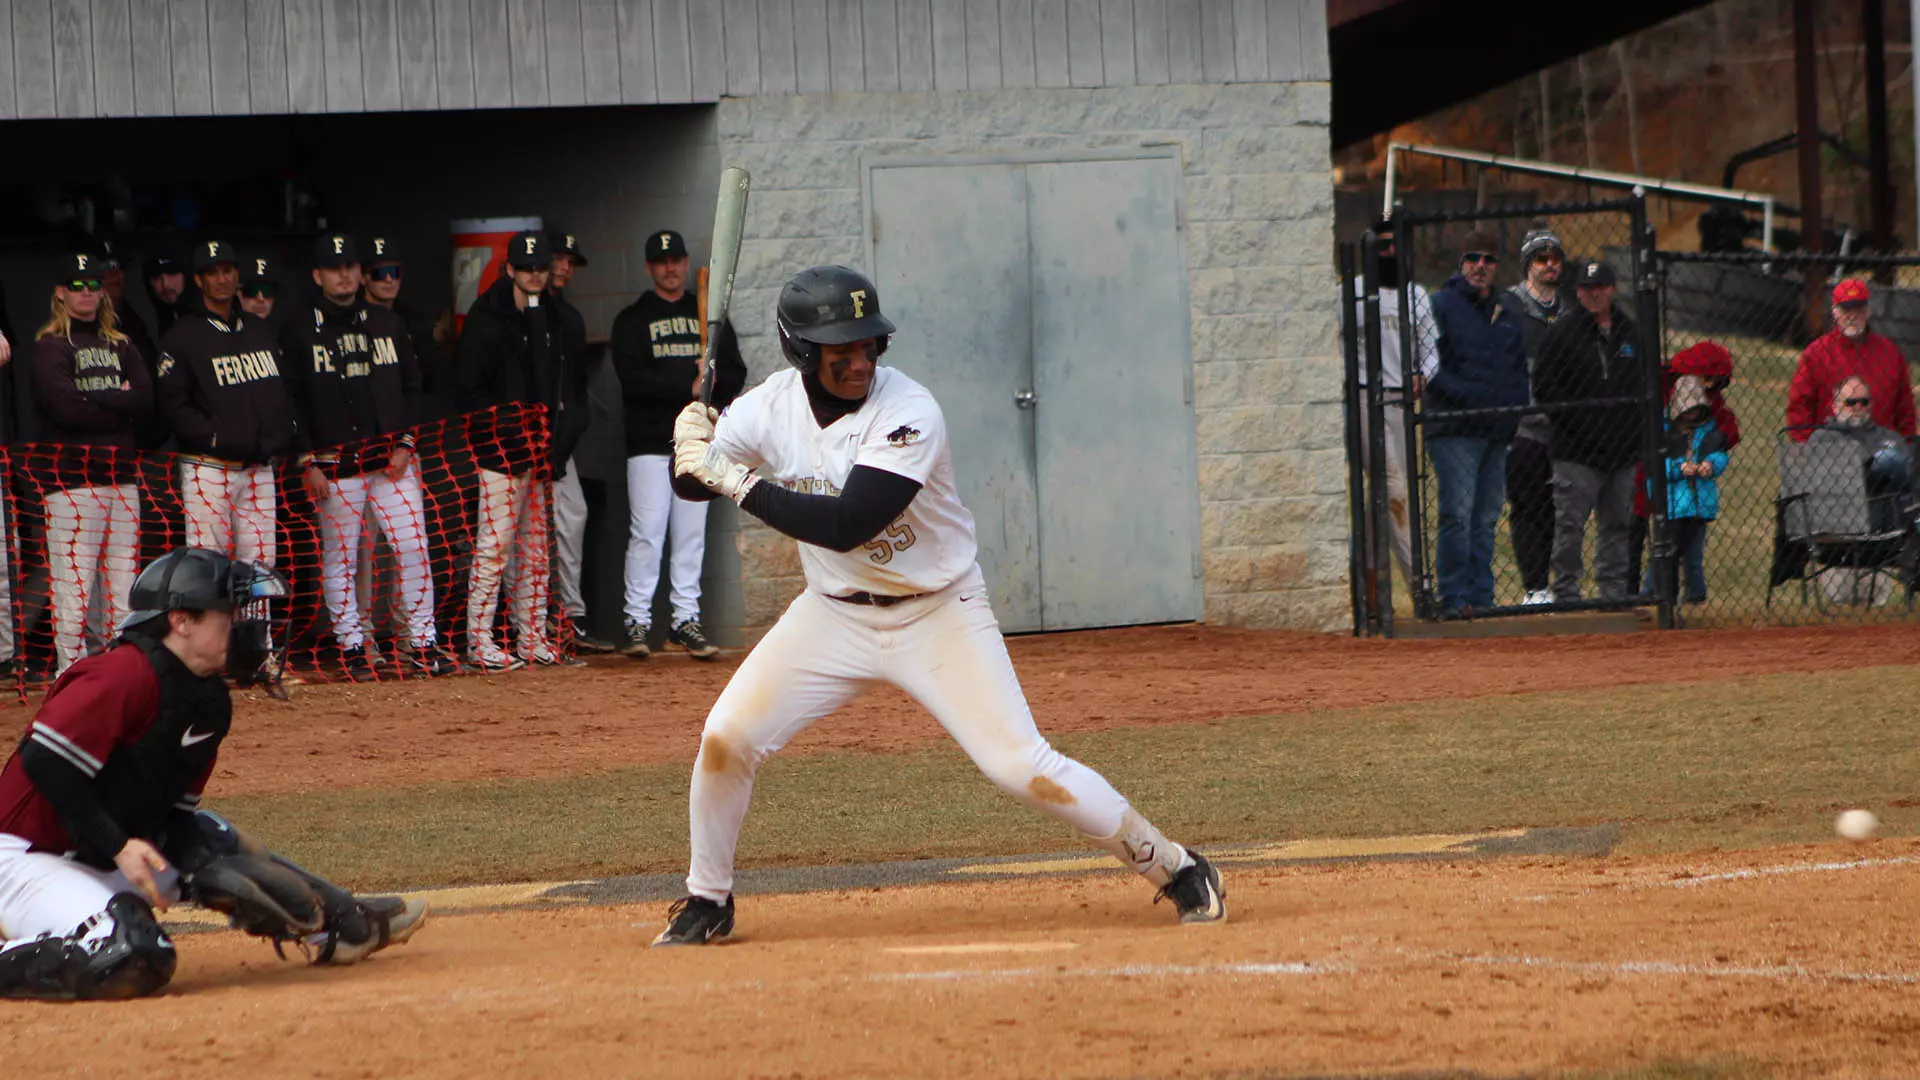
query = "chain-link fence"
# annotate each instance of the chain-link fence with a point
(1814, 507)
(1505, 410)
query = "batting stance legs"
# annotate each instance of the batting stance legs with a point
(945, 651)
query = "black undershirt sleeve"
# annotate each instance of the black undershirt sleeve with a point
(870, 501)
(94, 832)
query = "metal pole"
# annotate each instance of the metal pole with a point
(1393, 157)
(1422, 584)
(1356, 483)
(1873, 16)
(1646, 314)
(1379, 513)
(1806, 90)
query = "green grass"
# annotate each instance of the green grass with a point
(1685, 767)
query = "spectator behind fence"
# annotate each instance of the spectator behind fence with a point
(1529, 469)
(113, 279)
(385, 274)
(1483, 365)
(1851, 349)
(1713, 365)
(1888, 466)
(1395, 322)
(1589, 356)
(357, 386)
(92, 390)
(166, 280)
(513, 354)
(222, 395)
(569, 497)
(1695, 453)
(657, 343)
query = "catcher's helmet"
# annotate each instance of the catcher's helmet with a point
(201, 579)
(828, 305)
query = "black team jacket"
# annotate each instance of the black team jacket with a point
(355, 383)
(221, 391)
(508, 357)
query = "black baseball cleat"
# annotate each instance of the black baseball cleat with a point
(636, 643)
(359, 666)
(696, 920)
(431, 662)
(584, 639)
(1196, 892)
(689, 636)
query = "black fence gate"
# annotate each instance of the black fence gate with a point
(1494, 406)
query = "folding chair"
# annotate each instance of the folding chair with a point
(1825, 521)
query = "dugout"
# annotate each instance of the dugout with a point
(1107, 229)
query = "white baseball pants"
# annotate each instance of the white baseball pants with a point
(48, 894)
(230, 510)
(93, 552)
(400, 510)
(657, 517)
(510, 541)
(6, 578)
(569, 538)
(945, 651)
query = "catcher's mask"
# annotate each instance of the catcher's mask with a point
(200, 579)
(828, 305)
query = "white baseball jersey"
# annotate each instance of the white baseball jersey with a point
(771, 429)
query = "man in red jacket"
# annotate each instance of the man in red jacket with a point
(1846, 350)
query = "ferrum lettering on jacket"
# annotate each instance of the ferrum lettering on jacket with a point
(244, 368)
(104, 364)
(677, 326)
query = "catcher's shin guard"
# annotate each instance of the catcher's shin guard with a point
(119, 953)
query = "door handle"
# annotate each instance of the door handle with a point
(1023, 399)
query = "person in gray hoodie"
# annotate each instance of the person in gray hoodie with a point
(1538, 300)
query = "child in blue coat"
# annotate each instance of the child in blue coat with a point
(1696, 454)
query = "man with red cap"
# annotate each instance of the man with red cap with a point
(1847, 350)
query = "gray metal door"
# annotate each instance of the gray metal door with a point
(1115, 455)
(1044, 305)
(951, 264)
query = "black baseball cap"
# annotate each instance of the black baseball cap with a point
(335, 249)
(1596, 273)
(79, 265)
(529, 250)
(259, 268)
(208, 254)
(665, 244)
(565, 243)
(383, 249)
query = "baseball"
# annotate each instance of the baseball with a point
(1856, 824)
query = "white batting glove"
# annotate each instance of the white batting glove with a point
(695, 423)
(697, 458)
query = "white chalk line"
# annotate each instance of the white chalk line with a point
(1129, 971)
(1668, 967)
(1775, 871)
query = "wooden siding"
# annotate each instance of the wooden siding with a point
(83, 58)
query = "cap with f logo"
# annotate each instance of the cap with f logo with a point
(665, 244)
(529, 250)
(211, 253)
(335, 249)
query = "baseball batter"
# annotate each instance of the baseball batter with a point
(852, 460)
(100, 819)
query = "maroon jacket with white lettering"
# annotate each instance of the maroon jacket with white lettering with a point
(123, 745)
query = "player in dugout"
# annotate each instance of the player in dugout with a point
(852, 459)
(100, 822)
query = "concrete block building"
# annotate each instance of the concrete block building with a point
(1104, 228)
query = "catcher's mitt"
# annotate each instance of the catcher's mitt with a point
(260, 896)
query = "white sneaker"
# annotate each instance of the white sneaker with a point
(541, 654)
(492, 658)
(1538, 597)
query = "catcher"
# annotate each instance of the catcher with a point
(99, 807)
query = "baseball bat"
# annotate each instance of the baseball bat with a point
(729, 217)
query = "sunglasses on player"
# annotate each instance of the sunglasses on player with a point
(1856, 402)
(1473, 257)
(259, 291)
(384, 273)
(82, 285)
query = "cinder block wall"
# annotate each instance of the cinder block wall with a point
(1258, 198)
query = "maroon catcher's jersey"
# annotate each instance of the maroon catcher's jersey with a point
(103, 706)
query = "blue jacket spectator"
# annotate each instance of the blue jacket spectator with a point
(1695, 453)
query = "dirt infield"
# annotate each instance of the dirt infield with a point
(618, 712)
(1796, 962)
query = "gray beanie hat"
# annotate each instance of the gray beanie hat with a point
(1539, 238)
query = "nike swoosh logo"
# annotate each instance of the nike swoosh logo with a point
(189, 738)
